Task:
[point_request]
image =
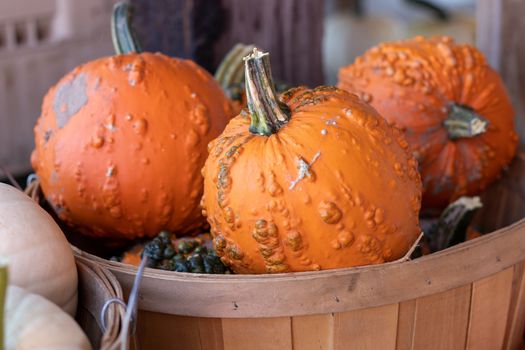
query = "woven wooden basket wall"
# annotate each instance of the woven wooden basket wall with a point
(470, 296)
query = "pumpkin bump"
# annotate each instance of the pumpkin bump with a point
(280, 195)
(454, 108)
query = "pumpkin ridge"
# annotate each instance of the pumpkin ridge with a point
(226, 159)
(272, 258)
(480, 161)
(447, 160)
(297, 244)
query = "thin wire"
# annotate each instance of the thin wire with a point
(105, 309)
(131, 309)
(31, 178)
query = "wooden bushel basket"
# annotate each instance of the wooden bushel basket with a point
(470, 296)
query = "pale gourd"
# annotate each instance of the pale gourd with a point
(33, 322)
(40, 258)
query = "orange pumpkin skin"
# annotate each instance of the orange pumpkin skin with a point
(357, 204)
(413, 84)
(121, 141)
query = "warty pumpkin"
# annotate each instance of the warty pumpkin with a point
(121, 140)
(453, 106)
(39, 255)
(314, 180)
(30, 321)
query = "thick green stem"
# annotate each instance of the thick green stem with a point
(231, 68)
(3, 290)
(451, 227)
(268, 114)
(463, 121)
(122, 34)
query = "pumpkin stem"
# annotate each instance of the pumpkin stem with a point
(3, 290)
(463, 121)
(451, 227)
(231, 68)
(268, 114)
(122, 34)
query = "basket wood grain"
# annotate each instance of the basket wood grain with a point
(470, 296)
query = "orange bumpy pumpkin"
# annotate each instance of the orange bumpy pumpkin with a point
(318, 180)
(453, 106)
(121, 141)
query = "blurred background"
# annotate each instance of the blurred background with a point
(41, 40)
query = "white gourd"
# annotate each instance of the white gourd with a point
(40, 258)
(34, 323)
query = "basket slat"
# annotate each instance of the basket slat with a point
(258, 333)
(366, 329)
(441, 320)
(516, 316)
(488, 311)
(313, 332)
(184, 332)
(210, 333)
(405, 324)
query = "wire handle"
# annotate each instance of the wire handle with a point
(129, 323)
(105, 308)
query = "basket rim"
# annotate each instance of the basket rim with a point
(326, 291)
